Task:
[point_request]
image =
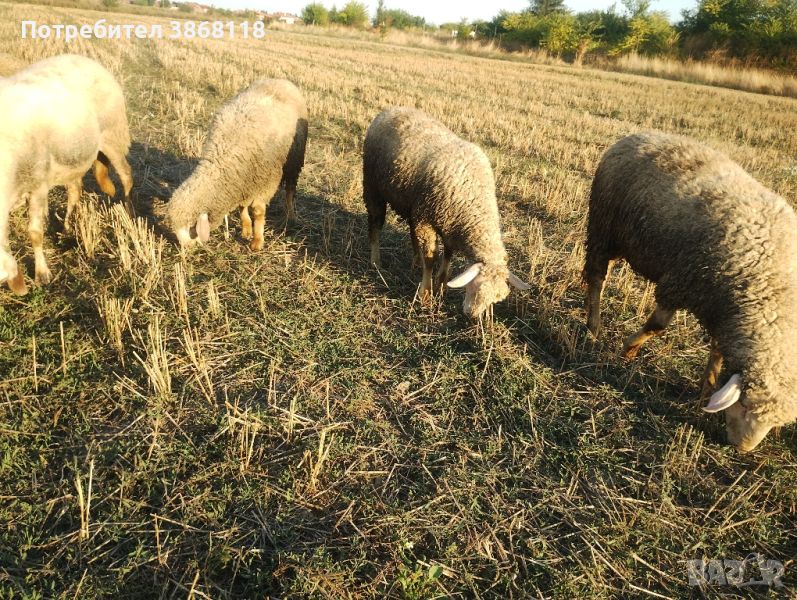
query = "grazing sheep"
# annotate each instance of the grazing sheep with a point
(256, 142)
(57, 118)
(717, 243)
(442, 186)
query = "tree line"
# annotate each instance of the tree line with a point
(756, 32)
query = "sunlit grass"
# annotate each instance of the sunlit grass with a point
(293, 424)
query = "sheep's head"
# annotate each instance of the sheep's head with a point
(11, 274)
(744, 427)
(484, 286)
(194, 233)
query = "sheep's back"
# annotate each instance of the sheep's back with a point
(51, 142)
(89, 79)
(679, 210)
(658, 201)
(253, 133)
(425, 171)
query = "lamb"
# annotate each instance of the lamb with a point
(57, 118)
(442, 186)
(717, 243)
(256, 142)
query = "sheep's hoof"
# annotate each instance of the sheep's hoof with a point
(256, 245)
(246, 233)
(630, 352)
(593, 323)
(17, 284)
(43, 276)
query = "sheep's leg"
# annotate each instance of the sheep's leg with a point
(425, 239)
(595, 270)
(125, 173)
(293, 168)
(656, 323)
(442, 273)
(246, 223)
(259, 206)
(713, 369)
(290, 194)
(259, 218)
(373, 243)
(102, 175)
(37, 212)
(377, 209)
(10, 271)
(73, 192)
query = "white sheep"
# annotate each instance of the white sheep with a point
(256, 142)
(717, 243)
(442, 186)
(57, 118)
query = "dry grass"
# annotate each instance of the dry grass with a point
(292, 424)
(740, 78)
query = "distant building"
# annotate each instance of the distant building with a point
(278, 17)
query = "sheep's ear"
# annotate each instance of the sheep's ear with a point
(726, 396)
(466, 276)
(517, 283)
(203, 228)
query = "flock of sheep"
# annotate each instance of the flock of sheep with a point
(714, 240)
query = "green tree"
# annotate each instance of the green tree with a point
(354, 14)
(315, 14)
(464, 30)
(542, 8)
(750, 29)
(525, 28)
(649, 34)
(636, 8)
(396, 18)
(560, 34)
(588, 34)
(611, 28)
(495, 27)
(380, 17)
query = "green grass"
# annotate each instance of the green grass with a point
(296, 425)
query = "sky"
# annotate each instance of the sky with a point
(448, 10)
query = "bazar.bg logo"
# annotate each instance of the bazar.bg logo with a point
(752, 571)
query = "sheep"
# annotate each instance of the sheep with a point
(442, 186)
(718, 244)
(57, 118)
(256, 142)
